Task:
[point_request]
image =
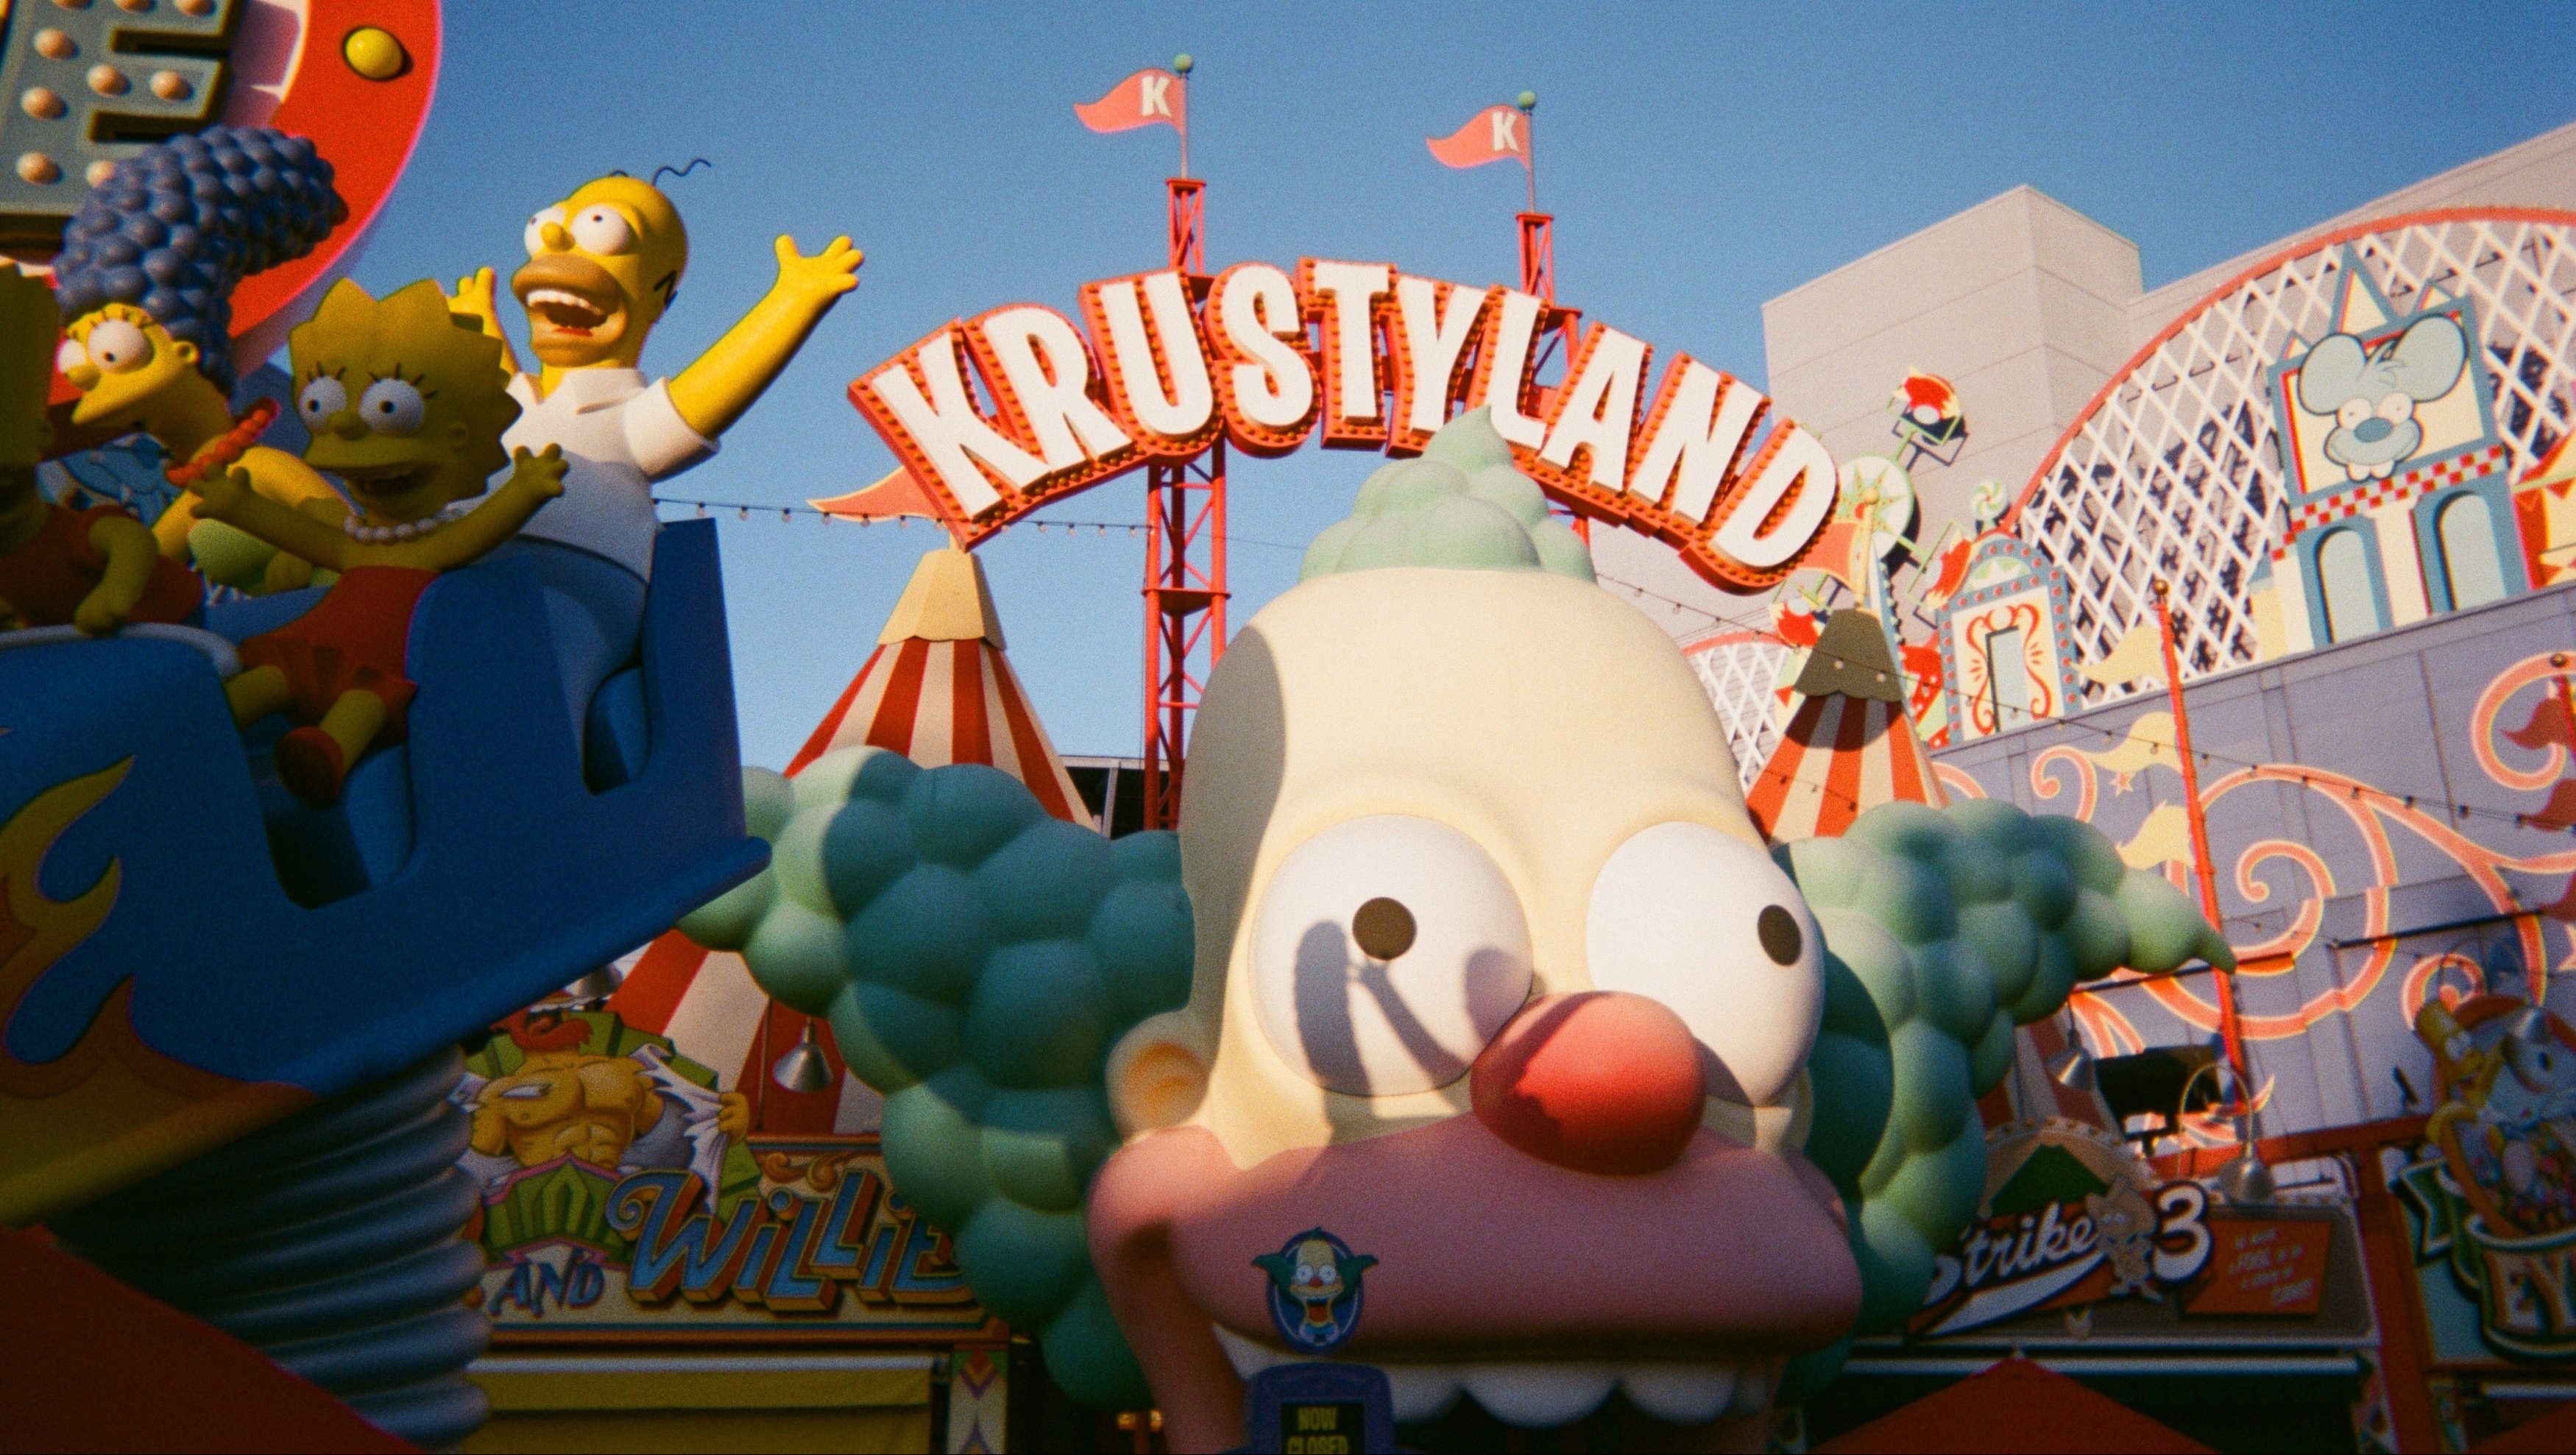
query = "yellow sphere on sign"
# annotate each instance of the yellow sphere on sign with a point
(373, 52)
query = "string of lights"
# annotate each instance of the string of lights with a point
(2463, 812)
(2274, 772)
(747, 510)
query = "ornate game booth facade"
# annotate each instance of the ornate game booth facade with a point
(2373, 646)
(948, 1116)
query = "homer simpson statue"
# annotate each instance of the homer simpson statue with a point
(603, 267)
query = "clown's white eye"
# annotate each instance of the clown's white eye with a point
(601, 230)
(118, 346)
(2352, 413)
(1386, 952)
(320, 400)
(391, 406)
(2397, 409)
(536, 235)
(1705, 923)
(70, 356)
(523, 1093)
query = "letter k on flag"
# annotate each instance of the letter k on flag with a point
(1151, 97)
(1497, 133)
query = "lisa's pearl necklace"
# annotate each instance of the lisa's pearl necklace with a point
(409, 530)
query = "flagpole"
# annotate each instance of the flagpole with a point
(2203, 867)
(1182, 65)
(1527, 101)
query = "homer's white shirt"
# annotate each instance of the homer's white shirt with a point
(618, 435)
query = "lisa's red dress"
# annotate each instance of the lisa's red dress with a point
(354, 640)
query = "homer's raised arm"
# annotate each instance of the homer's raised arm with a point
(713, 392)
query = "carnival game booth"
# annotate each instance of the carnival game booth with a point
(720, 1262)
(2311, 662)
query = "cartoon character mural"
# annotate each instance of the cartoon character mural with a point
(1423, 1000)
(2400, 503)
(566, 1104)
(2495, 1199)
(1315, 1289)
(2373, 391)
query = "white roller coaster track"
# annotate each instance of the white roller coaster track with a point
(2174, 468)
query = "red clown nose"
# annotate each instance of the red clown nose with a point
(1599, 1081)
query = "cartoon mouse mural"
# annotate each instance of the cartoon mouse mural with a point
(1466, 960)
(2373, 392)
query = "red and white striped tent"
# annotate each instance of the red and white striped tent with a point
(1848, 745)
(938, 690)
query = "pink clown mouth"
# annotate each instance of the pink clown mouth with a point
(1728, 1256)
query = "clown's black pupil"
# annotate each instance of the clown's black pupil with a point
(1781, 938)
(1384, 928)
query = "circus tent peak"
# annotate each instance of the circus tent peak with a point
(937, 689)
(947, 600)
(1849, 745)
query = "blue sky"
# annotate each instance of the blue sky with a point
(1700, 159)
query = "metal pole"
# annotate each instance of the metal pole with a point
(1185, 561)
(2206, 871)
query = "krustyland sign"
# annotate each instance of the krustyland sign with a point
(1360, 356)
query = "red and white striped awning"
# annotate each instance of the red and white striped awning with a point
(937, 689)
(1848, 746)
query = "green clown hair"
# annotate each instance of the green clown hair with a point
(976, 960)
(1945, 929)
(1461, 505)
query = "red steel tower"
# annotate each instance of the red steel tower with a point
(1185, 582)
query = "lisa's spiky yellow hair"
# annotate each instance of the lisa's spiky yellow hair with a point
(409, 333)
(30, 321)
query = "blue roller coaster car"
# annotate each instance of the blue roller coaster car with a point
(485, 861)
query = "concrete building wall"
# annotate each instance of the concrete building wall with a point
(2029, 307)
(2020, 301)
(2371, 798)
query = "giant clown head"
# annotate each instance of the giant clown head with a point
(1496, 982)
(1488, 1044)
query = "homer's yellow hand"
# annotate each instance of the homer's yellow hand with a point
(713, 392)
(474, 298)
(817, 280)
(10, 620)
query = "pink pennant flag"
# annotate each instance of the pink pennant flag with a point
(1151, 97)
(1497, 133)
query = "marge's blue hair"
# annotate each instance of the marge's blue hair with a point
(181, 222)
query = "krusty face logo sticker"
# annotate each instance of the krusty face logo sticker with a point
(1315, 1290)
